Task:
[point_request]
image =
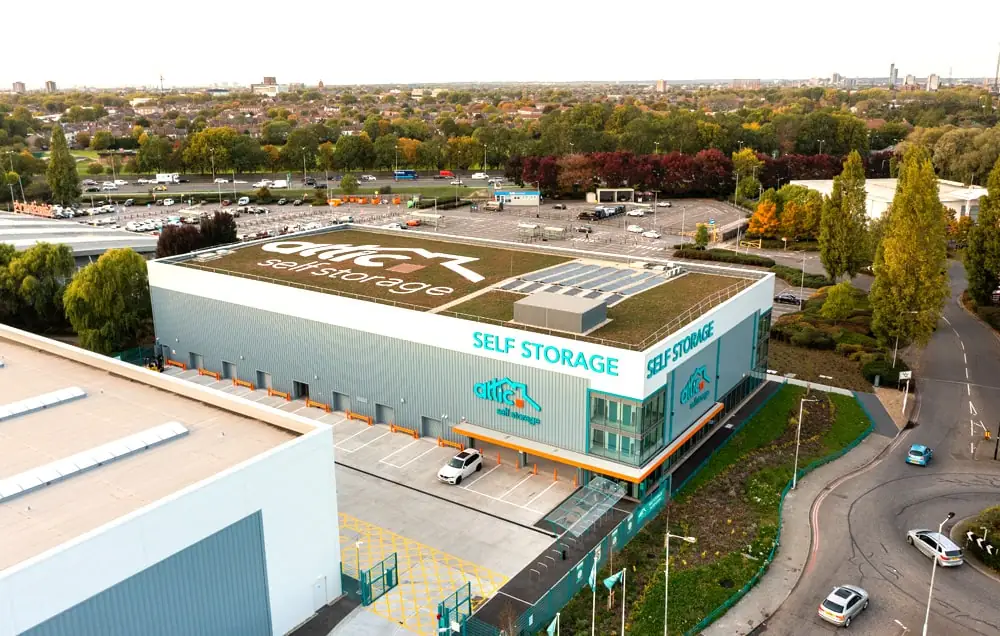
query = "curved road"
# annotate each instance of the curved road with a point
(860, 523)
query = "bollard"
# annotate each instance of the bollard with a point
(555, 474)
(534, 469)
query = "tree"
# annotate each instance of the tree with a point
(108, 302)
(95, 168)
(102, 140)
(177, 239)
(82, 140)
(982, 258)
(792, 220)
(218, 229)
(61, 174)
(764, 221)
(701, 236)
(843, 222)
(263, 195)
(746, 162)
(839, 302)
(348, 184)
(910, 285)
(32, 284)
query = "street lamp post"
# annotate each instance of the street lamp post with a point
(895, 347)
(821, 142)
(666, 573)
(798, 433)
(930, 593)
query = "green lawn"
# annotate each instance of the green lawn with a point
(731, 507)
(494, 305)
(810, 364)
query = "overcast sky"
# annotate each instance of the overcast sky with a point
(200, 42)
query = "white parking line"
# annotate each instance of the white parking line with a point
(530, 501)
(512, 488)
(483, 475)
(354, 450)
(509, 503)
(432, 448)
(416, 441)
(337, 445)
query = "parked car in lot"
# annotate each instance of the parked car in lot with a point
(282, 201)
(297, 202)
(559, 206)
(636, 212)
(936, 545)
(585, 229)
(653, 234)
(243, 201)
(663, 204)
(636, 229)
(843, 604)
(787, 298)
(919, 455)
(462, 465)
(167, 202)
(226, 203)
(129, 203)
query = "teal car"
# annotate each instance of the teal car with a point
(919, 455)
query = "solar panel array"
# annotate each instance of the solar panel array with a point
(36, 478)
(37, 403)
(610, 284)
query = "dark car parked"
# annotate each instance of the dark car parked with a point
(787, 298)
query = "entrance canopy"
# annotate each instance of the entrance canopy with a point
(588, 504)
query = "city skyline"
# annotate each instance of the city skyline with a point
(548, 45)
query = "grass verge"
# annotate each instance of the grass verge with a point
(744, 479)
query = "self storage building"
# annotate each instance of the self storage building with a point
(608, 367)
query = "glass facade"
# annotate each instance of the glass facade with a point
(616, 427)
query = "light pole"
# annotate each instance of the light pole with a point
(802, 281)
(657, 144)
(821, 142)
(666, 573)
(484, 157)
(930, 592)
(895, 348)
(798, 433)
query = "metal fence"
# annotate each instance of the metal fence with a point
(735, 598)
(379, 579)
(545, 609)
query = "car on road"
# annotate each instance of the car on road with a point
(367, 177)
(243, 201)
(663, 204)
(264, 183)
(319, 186)
(108, 187)
(844, 603)
(160, 188)
(635, 229)
(394, 226)
(653, 234)
(309, 181)
(239, 181)
(221, 180)
(559, 206)
(282, 201)
(787, 298)
(462, 465)
(919, 455)
(144, 181)
(936, 545)
(636, 212)
(121, 182)
(456, 182)
(92, 188)
(88, 182)
(480, 176)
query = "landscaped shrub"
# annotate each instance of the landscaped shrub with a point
(812, 338)
(883, 368)
(794, 276)
(863, 341)
(846, 349)
(724, 256)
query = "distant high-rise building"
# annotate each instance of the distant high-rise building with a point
(893, 75)
(661, 86)
(836, 79)
(746, 84)
(19, 87)
(50, 86)
(910, 80)
(933, 82)
(270, 81)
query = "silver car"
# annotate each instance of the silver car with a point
(936, 545)
(843, 604)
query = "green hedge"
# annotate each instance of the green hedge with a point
(794, 276)
(883, 368)
(798, 246)
(724, 256)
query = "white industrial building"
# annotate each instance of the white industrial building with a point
(962, 199)
(132, 502)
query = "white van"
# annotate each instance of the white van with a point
(243, 201)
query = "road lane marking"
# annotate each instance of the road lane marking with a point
(965, 358)
(945, 318)
(966, 373)
(972, 409)
(972, 448)
(963, 345)
(971, 429)
(968, 389)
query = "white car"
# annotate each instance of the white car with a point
(936, 545)
(462, 465)
(457, 182)
(636, 212)
(238, 181)
(480, 175)
(394, 226)
(367, 177)
(663, 204)
(221, 180)
(107, 187)
(636, 229)
(121, 182)
(144, 181)
(653, 234)
(168, 202)
(243, 201)
(266, 183)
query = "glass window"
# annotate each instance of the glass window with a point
(611, 442)
(597, 439)
(598, 410)
(613, 412)
(630, 417)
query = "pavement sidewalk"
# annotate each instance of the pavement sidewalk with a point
(796, 536)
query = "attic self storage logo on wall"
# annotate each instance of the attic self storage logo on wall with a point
(371, 257)
(512, 395)
(695, 390)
